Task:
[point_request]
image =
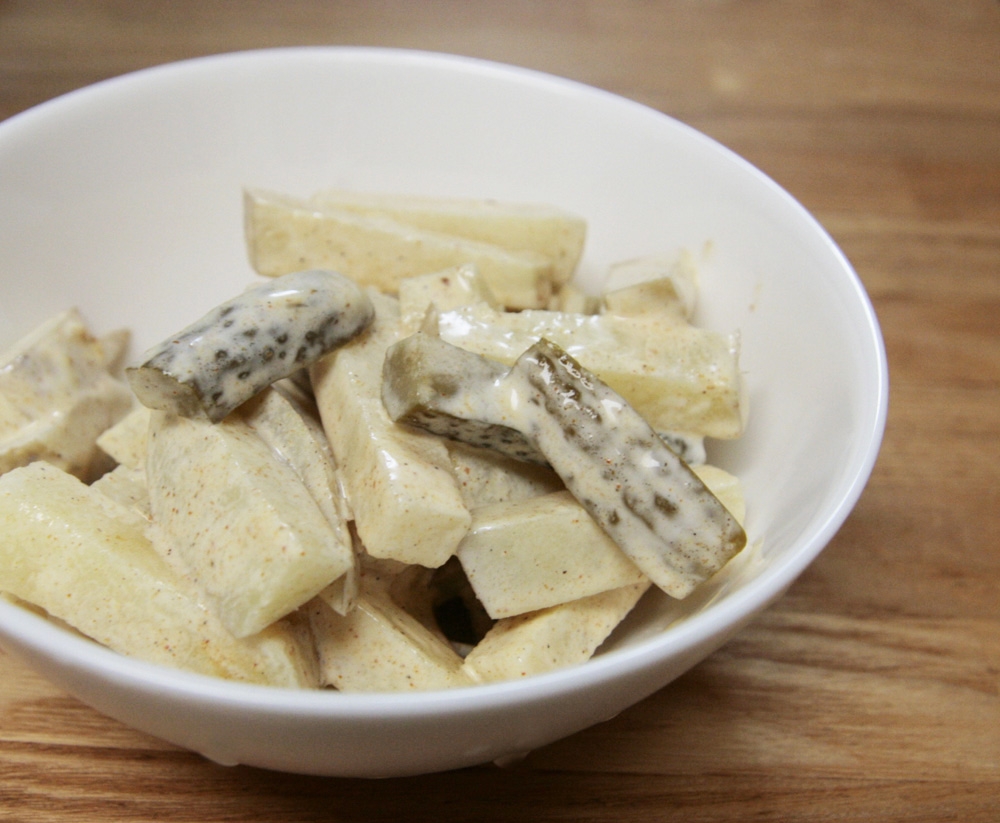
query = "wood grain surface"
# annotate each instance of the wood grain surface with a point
(871, 691)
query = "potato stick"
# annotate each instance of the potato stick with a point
(552, 232)
(444, 290)
(400, 486)
(380, 647)
(87, 561)
(540, 552)
(285, 235)
(679, 377)
(551, 638)
(666, 286)
(279, 419)
(57, 396)
(125, 441)
(239, 521)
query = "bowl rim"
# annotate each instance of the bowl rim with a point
(35, 632)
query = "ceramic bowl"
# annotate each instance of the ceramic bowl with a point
(124, 199)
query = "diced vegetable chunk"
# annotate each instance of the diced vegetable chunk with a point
(552, 638)
(405, 499)
(57, 395)
(284, 235)
(241, 523)
(379, 647)
(679, 377)
(541, 552)
(87, 560)
(554, 233)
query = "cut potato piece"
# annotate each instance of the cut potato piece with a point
(679, 377)
(116, 345)
(555, 233)
(379, 647)
(551, 638)
(239, 521)
(525, 556)
(57, 396)
(87, 561)
(285, 235)
(125, 441)
(66, 437)
(127, 486)
(399, 482)
(279, 419)
(534, 552)
(448, 289)
(652, 285)
(47, 368)
(571, 298)
(486, 476)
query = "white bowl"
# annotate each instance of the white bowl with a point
(124, 200)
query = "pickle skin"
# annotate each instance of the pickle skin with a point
(249, 342)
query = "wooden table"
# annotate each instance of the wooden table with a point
(872, 690)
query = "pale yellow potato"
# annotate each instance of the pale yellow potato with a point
(652, 285)
(556, 233)
(551, 638)
(238, 521)
(657, 297)
(399, 483)
(86, 560)
(57, 395)
(127, 486)
(532, 554)
(379, 647)
(679, 377)
(486, 476)
(66, 436)
(296, 438)
(286, 235)
(125, 441)
(46, 368)
(116, 346)
(444, 290)
(572, 298)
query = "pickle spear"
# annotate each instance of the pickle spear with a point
(252, 340)
(639, 491)
(451, 392)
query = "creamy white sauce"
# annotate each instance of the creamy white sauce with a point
(245, 344)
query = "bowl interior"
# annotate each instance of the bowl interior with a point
(124, 199)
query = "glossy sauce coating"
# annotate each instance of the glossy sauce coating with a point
(634, 486)
(243, 345)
